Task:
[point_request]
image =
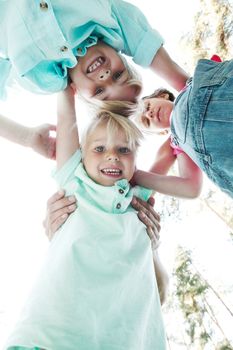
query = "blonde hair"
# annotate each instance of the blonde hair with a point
(114, 123)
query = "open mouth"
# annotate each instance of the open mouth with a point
(99, 61)
(112, 172)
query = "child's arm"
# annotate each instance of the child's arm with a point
(37, 138)
(187, 185)
(164, 159)
(168, 70)
(67, 131)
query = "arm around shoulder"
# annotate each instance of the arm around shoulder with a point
(169, 70)
(187, 185)
(164, 159)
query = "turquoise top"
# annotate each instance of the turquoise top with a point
(39, 40)
(97, 289)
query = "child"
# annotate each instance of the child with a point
(97, 289)
(202, 123)
(40, 42)
(157, 118)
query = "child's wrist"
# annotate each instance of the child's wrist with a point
(28, 137)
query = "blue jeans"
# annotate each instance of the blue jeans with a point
(202, 121)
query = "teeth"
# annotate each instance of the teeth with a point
(95, 65)
(112, 171)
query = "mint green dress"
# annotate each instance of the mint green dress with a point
(97, 289)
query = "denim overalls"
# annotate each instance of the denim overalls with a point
(202, 121)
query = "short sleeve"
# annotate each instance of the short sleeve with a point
(66, 173)
(140, 39)
(45, 78)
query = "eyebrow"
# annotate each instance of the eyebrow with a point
(98, 140)
(123, 143)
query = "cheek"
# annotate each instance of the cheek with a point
(131, 164)
(78, 78)
(84, 163)
(154, 124)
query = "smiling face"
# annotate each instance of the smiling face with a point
(101, 74)
(107, 161)
(157, 113)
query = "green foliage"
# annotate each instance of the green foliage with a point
(225, 345)
(211, 33)
(189, 291)
(192, 292)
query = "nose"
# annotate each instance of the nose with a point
(112, 156)
(104, 74)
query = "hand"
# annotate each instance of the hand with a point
(59, 208)
(41, 141)
(149, 217)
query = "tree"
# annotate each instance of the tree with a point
(197, 300)
(211, 34)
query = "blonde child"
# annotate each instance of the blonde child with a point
(97, 289)
(44, 45)
(41, 42)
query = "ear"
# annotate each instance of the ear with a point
(73, 87)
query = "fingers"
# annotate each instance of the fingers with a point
(58, 209)
(150, 218)
(154, 237)
(151, 229)
(151, 215)
(59, 201)
(56, 196)
(151, 201)
(55, 225)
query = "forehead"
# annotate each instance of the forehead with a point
(100, 133)
(123, 92)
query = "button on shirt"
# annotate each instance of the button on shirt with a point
(39, 40)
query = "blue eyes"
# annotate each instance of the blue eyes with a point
(117, 75)
(124, 150)
(98, 91)
(121, 150)
(99, 149)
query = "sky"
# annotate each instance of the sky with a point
(26, 185)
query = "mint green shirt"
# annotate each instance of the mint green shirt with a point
(39, 40)
(97, 289)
